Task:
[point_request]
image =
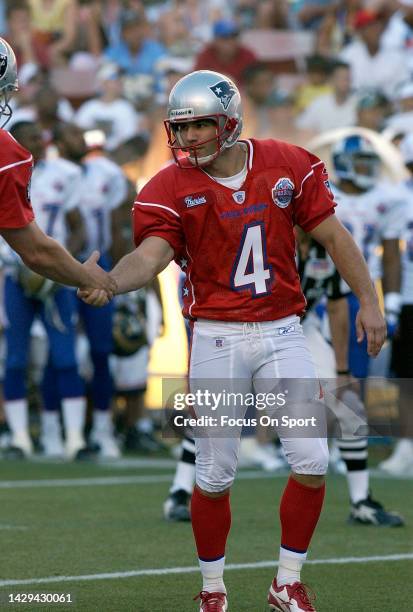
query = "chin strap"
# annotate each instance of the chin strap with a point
(5, 108)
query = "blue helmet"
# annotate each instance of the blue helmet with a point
(356, 160)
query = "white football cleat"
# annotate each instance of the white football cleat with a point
(400, 462)
(102, 435)
(290, 598)
(21, 441)
(108, 446)
(75, 443)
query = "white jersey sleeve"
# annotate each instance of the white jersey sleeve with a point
(391, 209)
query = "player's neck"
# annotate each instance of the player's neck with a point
(229, 162)
(350, 188)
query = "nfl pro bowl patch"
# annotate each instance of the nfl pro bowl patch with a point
(282, 192)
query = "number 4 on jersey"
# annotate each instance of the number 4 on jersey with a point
(251, 270)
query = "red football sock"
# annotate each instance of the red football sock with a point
(300, 509)
(211, 522)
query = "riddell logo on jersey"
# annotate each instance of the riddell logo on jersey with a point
(193, 200)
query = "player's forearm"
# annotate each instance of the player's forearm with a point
(142, 265)
(339, 328)
(134, 271)
(50, 259)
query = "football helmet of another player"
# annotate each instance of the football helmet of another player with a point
(34, 285)
(356, 160)
(203, 94)
(8, 80)
(129, 324)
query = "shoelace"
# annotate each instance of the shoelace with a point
(213, 600)
(307, 595)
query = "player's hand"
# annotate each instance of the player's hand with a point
(98, 278)
(370, 322)
(94, 297)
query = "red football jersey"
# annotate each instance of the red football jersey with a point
(237, 247)
(16, 165)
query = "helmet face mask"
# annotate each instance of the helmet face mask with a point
(356, 161)
(200, 96)
(8, 80)
(191, 153)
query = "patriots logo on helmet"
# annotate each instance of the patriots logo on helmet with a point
(224, 91)
(3, 64)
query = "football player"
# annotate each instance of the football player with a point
(103, 189)
(55, 197)
(226, 212)
(17, 226)
(319, 278)
(401, 460)
(373, 211)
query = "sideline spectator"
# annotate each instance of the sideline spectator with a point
(309, 14)
(54, 25)
(110, 112)
(398, 34)
(372, 110)
(318, 70)
(20, 33)
(225, 54)
(269, 113)
(371, 65)
(332, 110)
(401, 122)
(137, 56)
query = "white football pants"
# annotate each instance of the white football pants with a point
(267, 357)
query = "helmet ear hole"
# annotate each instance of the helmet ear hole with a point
(231, 124)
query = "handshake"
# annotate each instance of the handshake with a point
(97, 287)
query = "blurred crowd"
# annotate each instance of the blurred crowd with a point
(303, 65)
(105, 67)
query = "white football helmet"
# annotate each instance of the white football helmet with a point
(203, 94)
(356, 160)
(8, 80)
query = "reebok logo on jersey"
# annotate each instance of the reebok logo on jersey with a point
(282, 192)
(3, 64)
(195, 200)
(284, 331)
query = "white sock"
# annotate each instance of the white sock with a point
(184, 477)
(144, 425)
(358, 485)
(17, 415)
(213, 575)
(74, 413)
(50, 421)
(289, 566)
(102, 420)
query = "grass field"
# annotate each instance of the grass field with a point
(80, 528)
